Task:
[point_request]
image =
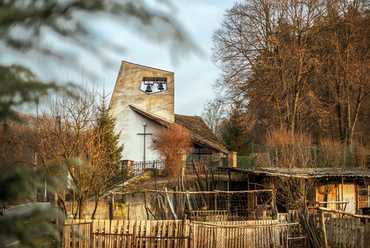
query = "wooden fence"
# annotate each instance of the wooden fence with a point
(174, 233)
(344, 232)
(340, 232)
(120, 233)
(252, 234)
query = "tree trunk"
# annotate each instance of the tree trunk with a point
(81, 206)
(97, 198)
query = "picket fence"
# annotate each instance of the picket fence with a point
(123, 233)
(341, 232)
(345, 232)
(174, 233)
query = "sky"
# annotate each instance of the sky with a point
(194, 71)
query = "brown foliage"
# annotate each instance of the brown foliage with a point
(172, 143)
(302, 66)
(290, 150)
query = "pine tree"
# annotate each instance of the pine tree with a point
(109, 138)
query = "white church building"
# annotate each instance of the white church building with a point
(142, 103)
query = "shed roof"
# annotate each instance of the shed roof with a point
(306, 172)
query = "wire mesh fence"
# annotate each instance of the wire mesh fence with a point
(199, 206)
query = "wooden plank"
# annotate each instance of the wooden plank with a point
(170, 204)
(74, 229)
(170, 233)
(153, 232)
(66, 236)
(116, 229)
(141, 231)
(162, 232)
(176, 227)
(148, 242)
(84, 232)
(100, 232)
(187, 233)
(132, 229)
(107, 231)
(93, 239)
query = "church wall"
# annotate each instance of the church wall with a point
(131, 125)
(128, 91)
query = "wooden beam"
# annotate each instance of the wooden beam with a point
(342, 212)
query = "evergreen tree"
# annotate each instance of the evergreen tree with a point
(109, 138)
(235, 136)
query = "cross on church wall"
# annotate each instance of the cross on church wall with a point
(144, 135)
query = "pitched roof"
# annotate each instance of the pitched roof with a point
(199, 131)
(347, 172)
(150, 116)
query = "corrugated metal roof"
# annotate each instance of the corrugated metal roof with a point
(307, 172)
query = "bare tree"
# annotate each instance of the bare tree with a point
(68, 135)
(172, 143)
(213, 115)
(300, 66)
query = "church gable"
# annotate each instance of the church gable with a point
(148, 88)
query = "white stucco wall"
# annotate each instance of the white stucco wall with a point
(130, 123)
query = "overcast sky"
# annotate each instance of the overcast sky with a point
(194, 72)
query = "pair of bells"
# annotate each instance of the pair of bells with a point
(149, 88)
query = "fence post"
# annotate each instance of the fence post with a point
(92, 240)
(190, 238)
(360, 237)
(322, 219)
(134, 242)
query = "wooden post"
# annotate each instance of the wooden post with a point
(323, 228)
(342, 193)
(170, 204)
(92, 240)
(128, 211)
(356, 197)
(134, 242)
(360, 237)
(198, 176)
(112, 208)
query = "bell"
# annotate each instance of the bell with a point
(160, 87)
(148, 89)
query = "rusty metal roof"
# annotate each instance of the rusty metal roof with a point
(306, 172)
